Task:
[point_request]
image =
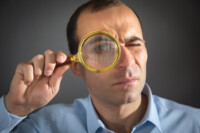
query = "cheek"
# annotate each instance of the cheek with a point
(97, 84)
(141, 58)
(94, 80)
(142, 61)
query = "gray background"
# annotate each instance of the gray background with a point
(171, 29)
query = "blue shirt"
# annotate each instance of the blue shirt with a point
(162, 116)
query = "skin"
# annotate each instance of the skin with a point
(35, 83)
(116, 94)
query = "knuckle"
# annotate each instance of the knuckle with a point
(21, 64)
(20, 67)
(38, 72)
(28, 79)
(38, 57)
(48, 51)
(28, 66)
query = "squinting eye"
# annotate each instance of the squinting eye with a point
(136, 44)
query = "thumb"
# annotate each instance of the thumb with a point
(57, 75)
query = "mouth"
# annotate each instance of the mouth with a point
(125, 82)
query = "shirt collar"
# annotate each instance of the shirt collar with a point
(151, 115)
(93, 121)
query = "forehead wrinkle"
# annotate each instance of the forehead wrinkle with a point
(126, 33)
(128, 25)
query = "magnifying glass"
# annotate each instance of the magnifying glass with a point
(98, 51)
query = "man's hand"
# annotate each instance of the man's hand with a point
(35, 83)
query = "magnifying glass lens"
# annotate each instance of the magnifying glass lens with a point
(99, 51)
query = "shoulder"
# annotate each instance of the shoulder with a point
(172, 105)
(173, 113)
(167, 105)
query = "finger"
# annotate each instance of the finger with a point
(66, 62)
(57, 76)
(50, 62)
(26, 70)
(61, 57)
(38, 65)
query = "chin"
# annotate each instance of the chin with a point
(130, 98)
(131, 93)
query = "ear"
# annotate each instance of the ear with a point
(76, 68)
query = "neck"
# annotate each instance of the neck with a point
(121, 118)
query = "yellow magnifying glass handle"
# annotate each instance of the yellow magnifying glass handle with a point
(74, 58)
(69, 60)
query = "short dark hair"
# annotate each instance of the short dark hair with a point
(96, 5)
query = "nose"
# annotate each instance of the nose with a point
(126, 59)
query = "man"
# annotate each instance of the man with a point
(119, 100)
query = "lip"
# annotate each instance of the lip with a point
(126, 81)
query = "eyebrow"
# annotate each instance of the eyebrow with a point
(98, 39)
(133, 39)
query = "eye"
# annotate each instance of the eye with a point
(133, 44)
(101, 48)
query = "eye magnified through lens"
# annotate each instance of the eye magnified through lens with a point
(98, 51)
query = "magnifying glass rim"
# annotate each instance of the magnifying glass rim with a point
(78, 57)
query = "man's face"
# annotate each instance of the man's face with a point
(124, 83)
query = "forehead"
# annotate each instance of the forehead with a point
(120, 21)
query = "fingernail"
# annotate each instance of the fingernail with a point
(28, 83)
(60, 59)
(48, 72)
